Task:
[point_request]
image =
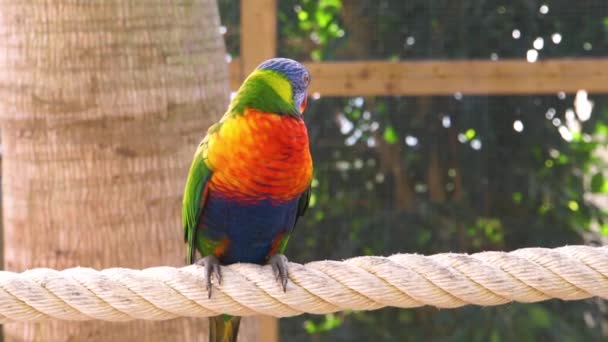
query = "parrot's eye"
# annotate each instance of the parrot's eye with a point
(306, 79)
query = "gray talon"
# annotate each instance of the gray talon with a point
(212, 266)
(280, 268)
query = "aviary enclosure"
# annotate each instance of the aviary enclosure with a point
(460, 126)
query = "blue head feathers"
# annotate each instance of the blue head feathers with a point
(298, 76)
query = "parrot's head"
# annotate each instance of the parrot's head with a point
(295, 73)
(278, 85)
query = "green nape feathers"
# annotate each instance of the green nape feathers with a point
(265, 90)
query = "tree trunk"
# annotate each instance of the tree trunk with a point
(102, 104)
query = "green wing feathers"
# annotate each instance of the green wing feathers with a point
(303, 202)
(302, 206)
(194, 199)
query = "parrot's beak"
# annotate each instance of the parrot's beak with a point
(303, 105)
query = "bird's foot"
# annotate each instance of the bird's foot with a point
(280, 267)
(212, 266)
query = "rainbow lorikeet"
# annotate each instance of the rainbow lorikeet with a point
(250, 179)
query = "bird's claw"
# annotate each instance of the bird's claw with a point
(280, 268)
(212, 266)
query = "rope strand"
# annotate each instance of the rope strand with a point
(362, 283)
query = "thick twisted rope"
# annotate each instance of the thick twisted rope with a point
(361, 283)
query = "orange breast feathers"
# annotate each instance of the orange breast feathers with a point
(259, 156)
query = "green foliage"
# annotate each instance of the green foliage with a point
(329, 322)
(449, 173)
(470, 133)
(599, 184)
(315, 25)
(390, 135)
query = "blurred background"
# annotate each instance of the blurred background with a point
(448, 172)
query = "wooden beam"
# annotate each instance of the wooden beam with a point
(471, 77)
(467, 77)
(258, 33)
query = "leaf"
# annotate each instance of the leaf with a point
(323, 18)
(390, 135)
(310, 327)
(334, 29)
(601, 128)
(424, 237)
(597, 183)
(302, 15)
(381, 107)
(330, 3)
(312, 201)
(331, 322)
(517, 197)
(319, 216)
(470, 133)
(604, 229)
(540, 316)
(573, 205)
(305, 25)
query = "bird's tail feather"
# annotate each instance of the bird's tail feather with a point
(223, 328)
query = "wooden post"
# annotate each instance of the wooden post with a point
(258, 33)
(258, 43)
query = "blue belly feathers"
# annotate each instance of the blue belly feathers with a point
(250, 227)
